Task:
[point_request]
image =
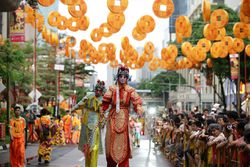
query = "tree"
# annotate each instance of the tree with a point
(74, 71)
(221, 66)
(13, 68)
(164, 81)
(46, 75)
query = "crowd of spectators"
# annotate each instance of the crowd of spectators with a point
(207, 138)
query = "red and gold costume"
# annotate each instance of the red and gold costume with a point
(17, 144)
(118, 148)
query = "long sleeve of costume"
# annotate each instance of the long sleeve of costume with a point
(107, 99)
(137, 102)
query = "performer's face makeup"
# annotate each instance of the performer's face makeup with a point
(98, 93)
(122, 79)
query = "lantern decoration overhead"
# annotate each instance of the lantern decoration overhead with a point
(240, 30)
(206, 9)
(210, 32)
(219, 18)
(168, 10)
(68, 2)
(117, 8)
(75, 12)
(186, 48)
(204, 44)
(46, 3)
(209, 63)
(53, 18)
(247, 50)
(145, 24)
(244, 18)
(216, 41)
(183, 28)
(221, 34)
(238, 45)
(245, 7)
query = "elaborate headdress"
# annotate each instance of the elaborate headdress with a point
(122, 70)
(100, 85)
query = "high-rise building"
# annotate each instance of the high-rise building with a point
(180, 8)
(144, 73)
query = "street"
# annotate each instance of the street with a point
(69, 156)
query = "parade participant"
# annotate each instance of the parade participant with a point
(17, 143)
(132, 130)
(90, 137)
(58, 138)
(31, 126)
(119, 96)
(137, 132)
(67, 127)
(75, 129)
(44, 130)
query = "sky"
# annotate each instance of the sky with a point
(97, 11)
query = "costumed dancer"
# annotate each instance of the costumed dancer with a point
(58, 138)
(43, 128)
(67, 127)
(17, 143)
(76, 126)
(117, 143)
(90, 137)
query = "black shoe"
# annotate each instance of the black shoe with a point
(46, 161)
(39, 159)
(138, 145)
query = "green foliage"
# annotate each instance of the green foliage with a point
(14, 64)
(221, 66)
(165, 81)
(72, 72)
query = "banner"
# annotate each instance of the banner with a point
(209, 76)
(248, 87)
(17, 25)
(197, 82)
(234, 64)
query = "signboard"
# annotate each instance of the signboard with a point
(32, 94)
(59, 67)
(60, 98)
(17, 26)
(2, 87)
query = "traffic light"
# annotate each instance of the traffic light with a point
(9, 5)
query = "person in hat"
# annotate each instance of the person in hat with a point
(119, 97)
(90, 135)
(17, 136)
